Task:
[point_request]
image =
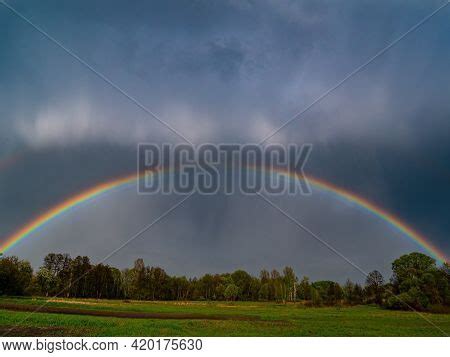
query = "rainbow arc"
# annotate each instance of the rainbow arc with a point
(103, 188)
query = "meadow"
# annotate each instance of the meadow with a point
(90, 317)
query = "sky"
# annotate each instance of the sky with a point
(227, 71)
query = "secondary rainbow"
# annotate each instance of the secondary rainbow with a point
(322, 185)
(7, 161)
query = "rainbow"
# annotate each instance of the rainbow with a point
(64, 207)
(368, 206)
(319, 184)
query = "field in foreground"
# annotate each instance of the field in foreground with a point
(76, 317)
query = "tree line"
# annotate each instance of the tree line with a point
(417, 282)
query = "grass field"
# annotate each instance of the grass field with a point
(75, 317)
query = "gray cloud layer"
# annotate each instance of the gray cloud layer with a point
(230, 71)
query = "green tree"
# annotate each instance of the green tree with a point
(276, 286)
(129, 288)
(15, 276)
(231, 292)
(443, 283)
(416, 281)
(207, 286)
(410, 267)
(255, 286)
(242, 280)
(290, 284)
(304, 289)
(357, 295)
(141, 280)
(59, 265)
(329, 291)
(46, 281)
(348, 291)
(264, 276)
(374, 287)
(80, 268)
(316, 298)
(264, 292)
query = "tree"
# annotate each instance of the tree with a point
(242, 280)
(276, 286)
(102, 281)
(158, 279)
(316, 298)
(116, 290)
(141, 280)
(15, 276)
(443, 283)
(231, 292)
(329, 291)
(46, 281)
(207, 286)
(415, 280)
(357, 295)
(264, 292)
(255, 286)
(264, 276)
(59, 265)
(348, 291)
(179, 288)
(374, 287)
(304, 289)
(128, 278)
(410, 267)
(334, 294)
(80, 268)
(290, 283)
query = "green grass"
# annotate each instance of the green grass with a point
(274, 320)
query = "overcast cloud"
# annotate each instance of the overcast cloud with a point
(228, 71)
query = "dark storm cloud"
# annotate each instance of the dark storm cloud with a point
(264, 61)
(229, 71)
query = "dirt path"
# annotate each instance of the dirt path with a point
(31, 331)
(125, 314)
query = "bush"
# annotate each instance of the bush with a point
(414, 298)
